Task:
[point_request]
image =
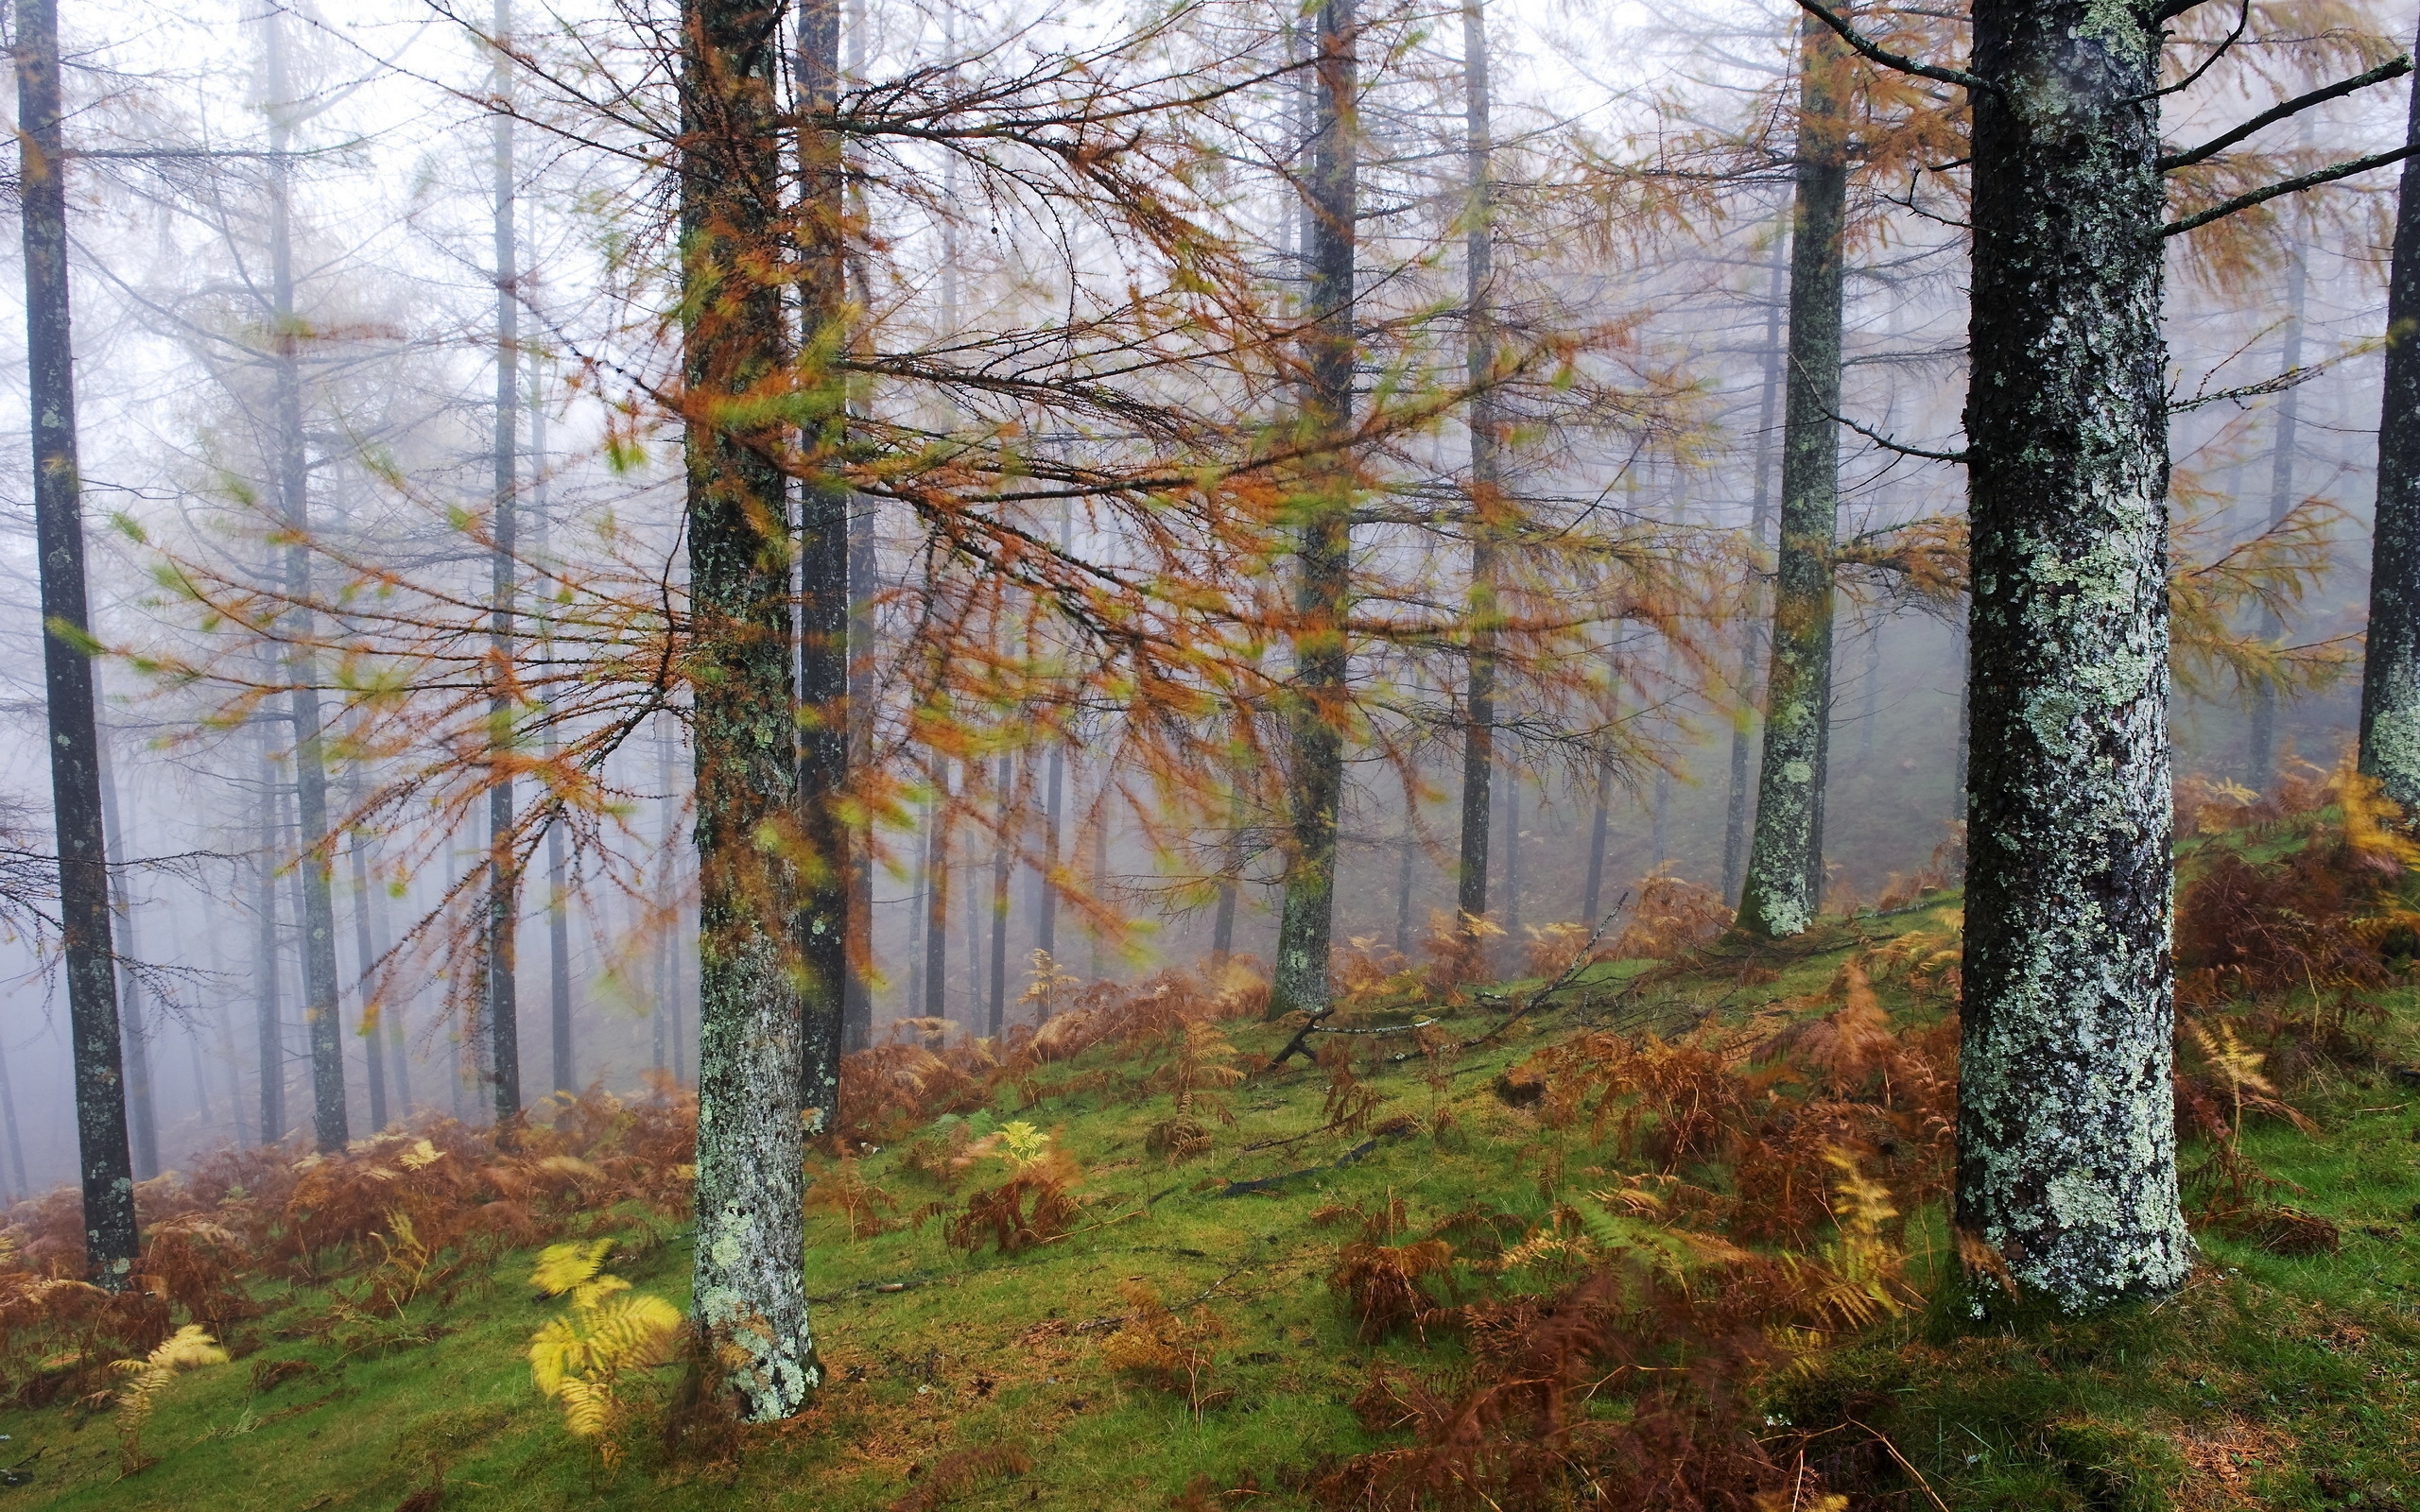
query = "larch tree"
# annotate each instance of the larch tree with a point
(105, 1163)
(1784, 885)
(1316, 702)
(2390, 748)
(500, 956)
(750, 1298)
(1487, 508)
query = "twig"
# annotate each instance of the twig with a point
(1873, 52)
(1295, 1045)
(1892, 1448)
(1579, 963)
(2392, 68)
(2287, 186)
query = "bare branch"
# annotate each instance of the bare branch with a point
(2289, 186)
(2392, 68)
(1875, 53)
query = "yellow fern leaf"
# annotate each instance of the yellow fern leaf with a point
(588, 1408)
(560, 1267)
(556, 1355)
(421, 1156)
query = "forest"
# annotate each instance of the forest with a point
(1211, 754)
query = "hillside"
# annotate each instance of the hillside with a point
(1676, 1235)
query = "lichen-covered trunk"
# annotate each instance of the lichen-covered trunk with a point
(504, 870)
(110, 1238)
(1487, 483)
(751, 1298)
(1784, 887)
(2066, 1155)
(2391, 671)
(1751, 640)
(1316, 705)
(824, 499)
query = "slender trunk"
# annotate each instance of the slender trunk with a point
(1593, 897)
(1512, 853)
(366, 951)
(857, 1027)
(2260, 763)
(919, 910)
(1784, 887)
(1407, 851)
(566, 1069)
(749, 1290)
(1752, 641)
(1100, 872)
(666, 1021)
(269, 1020)
(23, 1188)
(1003, 870)
(104, 1161)
(314, 854)
(1230, 866)
(1316, 706)
(2391, 673)
(937, 897)
(1486, 485)
(2067, 1135)
(824, 721)
(1046, 894)
(503, 955)
(142, 1111)
(222, 1017)
(1870, 696)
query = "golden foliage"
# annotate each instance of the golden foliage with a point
(189, 1349)
(607, 1332)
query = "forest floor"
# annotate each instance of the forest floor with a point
(987, 1380)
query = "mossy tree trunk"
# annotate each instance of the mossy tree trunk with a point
(751, 1299)
(2390, 672)
(1752, 641)
(105, 1163)
(1316, 706)
(1487, 482)
(1784, 889)
(2066, 1155)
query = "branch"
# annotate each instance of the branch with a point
(1873, 52)
(1888, 444)
(1570, 974)
(2392, 68)
(2308, 180)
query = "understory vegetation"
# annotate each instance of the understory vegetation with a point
(1660, 1227)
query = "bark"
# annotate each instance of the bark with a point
(1315, 706)
(314, 858)
(2391, 669)
(1593, 895)
(2260, 756)
(1486, 485)
(104, 1160)
(142, 1113)
(937, 899)
(1512, 853)
(271, 1012)
(2067, 1121)
(823, 859)
(22, 1189)
(1002, 869)
(1784, 887)
(504, 870)
(365, 951)
(1752, 641)
(751, 1298)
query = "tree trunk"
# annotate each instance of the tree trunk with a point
(142, 1111)
(1752, 641)
(1784, 889)
(1002, 871)
(2391, 671)
(1314, 707)
(269, 1019)
(2260, 763)
(2066, 1153)
(21, 1189)
(750, 1298)
(504, 870)
(824, 606)
(937, 896)
(558, 993)
(1486, 487)
(365, 949)
(314, 855)
(106, 1163)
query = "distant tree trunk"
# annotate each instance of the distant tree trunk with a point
(2390, 672)
(365, 949)
(1599, 819)
(314, 854)
(1407, 851)
(1316, 712)
(1784, 881)
(937, 896)
(105, 1164)
(825, 720)
(1003, 870)
(1512, 853)
(1751, 640)
(1101, 866)
(664, 1021)
(23, 1188)
(1222, 917)
(269, 1019)
(1045, 895)
(503, 869)
(1486, 488)
(141, 1115)
(1870, 696)
(2067, 1135)
(2260, 757)
(558, 992)
(750, 1298)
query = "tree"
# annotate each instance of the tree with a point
(501, 956)
(2390, 748)
(1316, 703)
(1784, 887)
(110, 1241)
(1486, 485)
(750, 1297)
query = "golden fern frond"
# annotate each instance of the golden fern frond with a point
(421, 1156)
(562, 1267)
(588, 1408)
(631, 1331)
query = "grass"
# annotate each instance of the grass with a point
(2271, 1382)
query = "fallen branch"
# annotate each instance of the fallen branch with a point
(1570, 974)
